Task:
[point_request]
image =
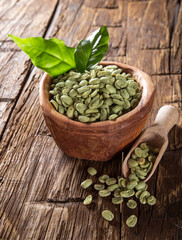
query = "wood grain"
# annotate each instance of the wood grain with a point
(40, 194)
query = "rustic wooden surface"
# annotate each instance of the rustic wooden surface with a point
(40, 195)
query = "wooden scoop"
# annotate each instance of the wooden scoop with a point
(155, 136)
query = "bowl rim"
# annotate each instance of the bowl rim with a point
(148, 91)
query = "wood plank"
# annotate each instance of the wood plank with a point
(150, 29)
(149, 61)
(16, 18)
(5, 109)
(112, 17)
(168, 91)
(102, 4)
(68, 24)
(176, 42)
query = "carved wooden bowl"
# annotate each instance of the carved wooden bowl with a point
(98, 141)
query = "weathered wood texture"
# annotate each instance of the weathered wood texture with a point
(40, 195)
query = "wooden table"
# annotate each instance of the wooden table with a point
(40, 194)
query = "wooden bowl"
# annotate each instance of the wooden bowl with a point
(98, 141)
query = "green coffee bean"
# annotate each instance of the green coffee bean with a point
(70, 111)
(117, 200)
(76, 114)
(83, 83)
(132, 163)
(65, 91)
(76, 86)
(140, 176)
(141, 161)
(134, 103)
(94, 86)
(127, 193)
(99, 187)
(92, 119)
(72, 93)
(69, 84)
(138, 193)
(144, 147)
(106, 95)
(110, 181)
(60, 85)
(140, 186)
(111, 66)
(80, 107)
(121, 83)
(104, 90)
(98, 67)
(116, 109)
(118, 102)
(109, 101)
(88, 111)
(108, 215)
(116, 72)
(61, 109)
(113, 116)
(83, 89)
(120, 179)
(131, 91)
(116, 96)
(66, 99)
(53, 92)
(74, 74)
(57, 98)
(103, 114)
(87, 101)
(131, 221)
(111, 88)
(87, 183)
(132, 176)
(103, 178)
(143, 197)
(83, 119)
(144, 154)
(104, 193)
(133, 156)
(113, 187)
(103, 74)
(131, 204)
(92, 171)
(88, 200)
(126, 104)
(150, 167)
(145, 165)
(124, 182)
(131, 184)
(54, 103)
(85, 76)
(151, 158)
(86, 94)
(151, 200)
(133, 85)
(141, 172)
(117, 192)
(105, 80)
(138, 152)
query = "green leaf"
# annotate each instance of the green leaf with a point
(90, 51)
(52, 55)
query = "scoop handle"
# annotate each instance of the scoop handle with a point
(166, 118)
